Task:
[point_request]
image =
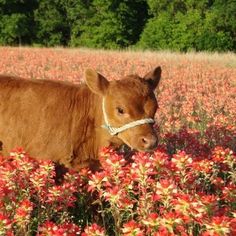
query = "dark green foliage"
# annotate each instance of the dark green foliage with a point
(17, 21)
(191, 25)
(78, 13)
(220, 27)
(157, 33)
(51, 23)
(113, 24)
(179, 25)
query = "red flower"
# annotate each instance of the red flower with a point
(6, 225)
(93, 230)
(51, 229)
(23, 212)
(218, 226)
(132, 228)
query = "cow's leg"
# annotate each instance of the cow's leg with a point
(1, 147)
(3, 150)
(60, 170)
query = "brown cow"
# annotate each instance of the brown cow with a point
(69, 123)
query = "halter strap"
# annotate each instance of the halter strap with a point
(113, 130)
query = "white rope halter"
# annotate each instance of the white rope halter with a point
(114, 131)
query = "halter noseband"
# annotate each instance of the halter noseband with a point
(114, 131)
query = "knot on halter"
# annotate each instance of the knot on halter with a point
(114, 131)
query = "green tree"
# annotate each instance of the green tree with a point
(180, 25)
(157, 33)
(113, 24)
(186, 31)
(219, 30)
(168, 6)
(16, 21)
(78, 12)
(51, 23)
(191, 25)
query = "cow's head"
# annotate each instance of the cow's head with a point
(129, 106)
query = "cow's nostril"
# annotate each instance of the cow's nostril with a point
(149, 142)
(144, 140)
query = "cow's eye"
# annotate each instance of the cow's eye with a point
(120, 110)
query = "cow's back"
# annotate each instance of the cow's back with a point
(37, 115)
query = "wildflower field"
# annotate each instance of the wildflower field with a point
(186, 187)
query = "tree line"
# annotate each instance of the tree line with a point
(179, 25)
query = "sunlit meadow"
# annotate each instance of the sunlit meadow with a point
(186, 187)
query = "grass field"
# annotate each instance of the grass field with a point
(187, 187)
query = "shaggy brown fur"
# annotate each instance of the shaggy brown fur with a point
(62, 122)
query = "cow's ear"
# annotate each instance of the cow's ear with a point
(96, 82)
(153, 77)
